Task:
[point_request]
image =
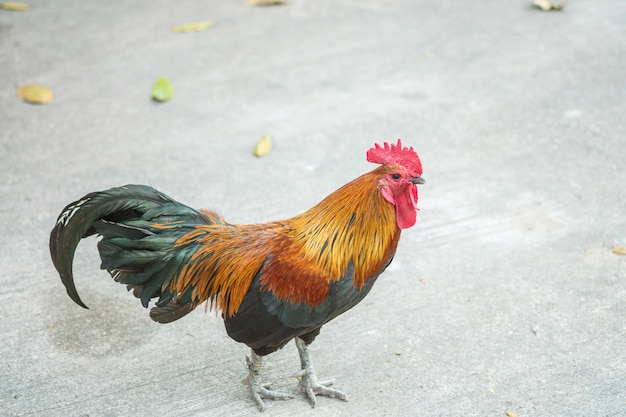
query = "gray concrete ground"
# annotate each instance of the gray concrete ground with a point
(505, 296)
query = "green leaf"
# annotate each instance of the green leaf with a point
(162, 90)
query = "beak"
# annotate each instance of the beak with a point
(418, 180)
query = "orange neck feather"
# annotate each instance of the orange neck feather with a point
(355, 223)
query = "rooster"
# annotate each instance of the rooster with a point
(272, 282)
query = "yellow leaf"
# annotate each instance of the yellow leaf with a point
(14, 6)
(265, 2)
(193, 27)
(510, 414)
(263, 146)
(547, 5)
(619, 250)
(35, 93)
(162, 90)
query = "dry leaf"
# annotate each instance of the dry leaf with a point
(510, 414)
(263, 147)
(14, 6)
(619, 250)
(162, 90)
(35, 93)
(193, 27)
(266, 2)
(547, 5)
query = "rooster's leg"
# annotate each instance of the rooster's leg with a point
(258, 389)
(308, 379)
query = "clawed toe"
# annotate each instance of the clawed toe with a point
(261, 392)
(312, 388)
(308, 380)
(322, 389)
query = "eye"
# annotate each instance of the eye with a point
(396, 176)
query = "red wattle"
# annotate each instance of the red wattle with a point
(406, 208)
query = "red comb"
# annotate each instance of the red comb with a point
(396, 154)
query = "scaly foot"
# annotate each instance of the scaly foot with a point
(258, 389)
(308, 379)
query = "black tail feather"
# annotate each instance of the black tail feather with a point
(131, 250)
(170, 312)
